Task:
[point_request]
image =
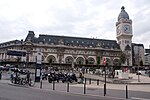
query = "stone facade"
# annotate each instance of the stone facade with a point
(63, 50)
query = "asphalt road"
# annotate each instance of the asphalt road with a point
(8, 92)
(99, 91)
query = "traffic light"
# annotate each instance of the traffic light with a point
(104, 61)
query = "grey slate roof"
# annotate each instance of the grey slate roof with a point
(123, 14)
(127, 47)
(74, 41)
(147, 51)
(10, 43)
(134, 44)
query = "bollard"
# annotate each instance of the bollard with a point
(41, 84)
(68, 87)
(89, 81)
(0, 74)
(104, 89)
(53, 85)
(126, 92)
(85, 86)
(97, 82)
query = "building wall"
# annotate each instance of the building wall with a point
(138, 50)
(147, 59)
(57, 52)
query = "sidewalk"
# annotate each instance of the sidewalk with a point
(133, 79)
(111, 83)
(91, 89)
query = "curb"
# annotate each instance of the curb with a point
(9, 83)
(121, 82)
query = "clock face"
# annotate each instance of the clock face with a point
(126, 28)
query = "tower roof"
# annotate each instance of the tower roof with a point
(127, 47)
(123, 14)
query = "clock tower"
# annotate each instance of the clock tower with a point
(124, 34)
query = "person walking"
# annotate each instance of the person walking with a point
(81, 77)
(0, 74)
(149, 73)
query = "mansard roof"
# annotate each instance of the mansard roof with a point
(10, 43)
(74, 41)
(147, 51)
(139, 45)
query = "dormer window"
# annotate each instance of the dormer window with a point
(40, 42)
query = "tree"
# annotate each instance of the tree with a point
(86, 62)
(98, 60)
(50, 62)
(122, 58)
(141, 63)
(18, 60)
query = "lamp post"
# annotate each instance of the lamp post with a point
(138, 66)
(128, 57)
(104, 62)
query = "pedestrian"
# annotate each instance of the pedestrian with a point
(12, 77)
(0, 74)
(81, 77)
(28, 76)
(149, 73)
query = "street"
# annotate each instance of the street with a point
(8, 92)
(76, 91)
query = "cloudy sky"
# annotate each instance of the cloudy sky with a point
(79, 18)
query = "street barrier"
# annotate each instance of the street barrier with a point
(67, 86)
(41, 83)
(53, 85)
(126, 92)
(84, 86)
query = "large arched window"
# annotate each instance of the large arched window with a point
(91, 60)
(108, 61)
(80, 60)
(69, 60)
(116, 62)
(51, 59)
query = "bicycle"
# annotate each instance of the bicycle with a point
(27, 81)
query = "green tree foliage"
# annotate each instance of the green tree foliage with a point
(98, 60)
(141, 63)
(86, 62)
(50, 62)
(122, 58)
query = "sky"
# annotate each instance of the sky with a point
(77, 18)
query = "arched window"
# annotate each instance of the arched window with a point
(91, 60)
(69, 60)
(80, 60)
(51, 59)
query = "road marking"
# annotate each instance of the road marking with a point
(135, 98)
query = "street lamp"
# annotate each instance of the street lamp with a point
(105, 64)
(128, 57)
(138, 66)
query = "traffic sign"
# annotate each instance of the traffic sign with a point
(16, 53)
